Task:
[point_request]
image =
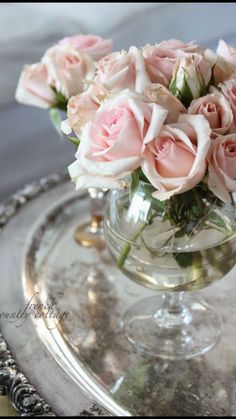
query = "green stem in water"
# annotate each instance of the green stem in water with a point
(127, 247)
(198, 200)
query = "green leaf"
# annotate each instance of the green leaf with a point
(184, 259)
(74, 140)
(189, 259)
(180, 233)
(217, 220)
(56, 120)
(186, 94)
(147, 190)
(142, 177)
(61, 101)
(202, 84)
(212, 79)
(172, 85)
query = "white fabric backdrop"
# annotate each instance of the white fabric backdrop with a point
(29, 146)
(19, 19)
(27, 29)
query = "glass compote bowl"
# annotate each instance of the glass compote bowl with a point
(192, 252)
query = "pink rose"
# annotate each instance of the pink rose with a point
(161, 58)
(116, 71)
(95, 46)
(33, 88)
(227, 52)
(222, 167)
(68, 70)
(112, 143)
(160, 94)
(191, 76)
(216, 109)
(123, 70)
(175, 161)
(82, 107)
(222, 70)
(228, 88)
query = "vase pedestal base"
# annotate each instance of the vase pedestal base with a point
(90, 234)
(184, 335)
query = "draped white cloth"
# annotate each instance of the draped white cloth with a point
(29, 146)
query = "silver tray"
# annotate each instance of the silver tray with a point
(72, 351)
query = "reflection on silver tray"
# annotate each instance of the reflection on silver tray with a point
(80, 359)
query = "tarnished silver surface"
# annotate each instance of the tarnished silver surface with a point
(80, 362)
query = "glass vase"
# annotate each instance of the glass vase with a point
(178, 251)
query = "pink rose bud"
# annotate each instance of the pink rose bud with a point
(221, 70)
(92, 45)
(68, 70)
(227, 52)
(228, 88)
(82, 107)
(191, 76)
(216, 109)
(161, 58)
(33, 88)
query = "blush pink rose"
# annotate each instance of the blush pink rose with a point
(116, 71)
(123, 70)
(228, 88)
(95, 46)
(82, 107)
(227, 52)
(33, 88)
(160, 94)
(222, 70)
(222, 167)
(216, 109)
(68, 70)
(175, 161)
(112, 143)
(161, 58)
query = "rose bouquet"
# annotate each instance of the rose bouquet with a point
(164, 116)
(157, 126)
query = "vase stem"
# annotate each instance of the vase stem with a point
(173, 301)
(97, 203)
(90, 234)
(173, 313)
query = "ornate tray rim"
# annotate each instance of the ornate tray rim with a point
(13, 383)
